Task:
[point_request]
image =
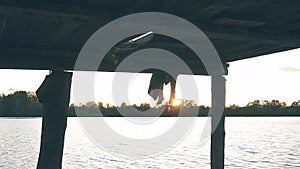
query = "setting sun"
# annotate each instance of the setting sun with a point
(176, 102)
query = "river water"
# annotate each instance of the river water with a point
(251, 142)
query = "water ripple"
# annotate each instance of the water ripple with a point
(250, 143)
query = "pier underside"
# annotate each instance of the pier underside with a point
(49, 34)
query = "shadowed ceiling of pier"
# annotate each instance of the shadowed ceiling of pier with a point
(49, 34)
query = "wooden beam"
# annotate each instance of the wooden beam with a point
(46, 59)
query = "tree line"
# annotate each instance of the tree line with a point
(26, 104)
(20, 104)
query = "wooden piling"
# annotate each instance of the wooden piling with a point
(217, 123)
(54, 94)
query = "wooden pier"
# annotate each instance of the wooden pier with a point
(48, 35)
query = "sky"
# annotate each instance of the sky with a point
(274, 76)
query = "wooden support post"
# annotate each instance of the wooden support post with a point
(217, 123)
(54, 94)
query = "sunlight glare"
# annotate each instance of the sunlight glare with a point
(176, 102)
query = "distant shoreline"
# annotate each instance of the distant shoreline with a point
(37, 117)
(22, 104)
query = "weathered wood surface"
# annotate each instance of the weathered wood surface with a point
(49, 34)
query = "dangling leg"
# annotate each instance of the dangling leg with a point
(156, 86)
(172, 94)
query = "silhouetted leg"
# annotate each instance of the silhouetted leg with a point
(158, 79)
(172, 94)
(54, 94)
(156, 86)
(217, 123)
